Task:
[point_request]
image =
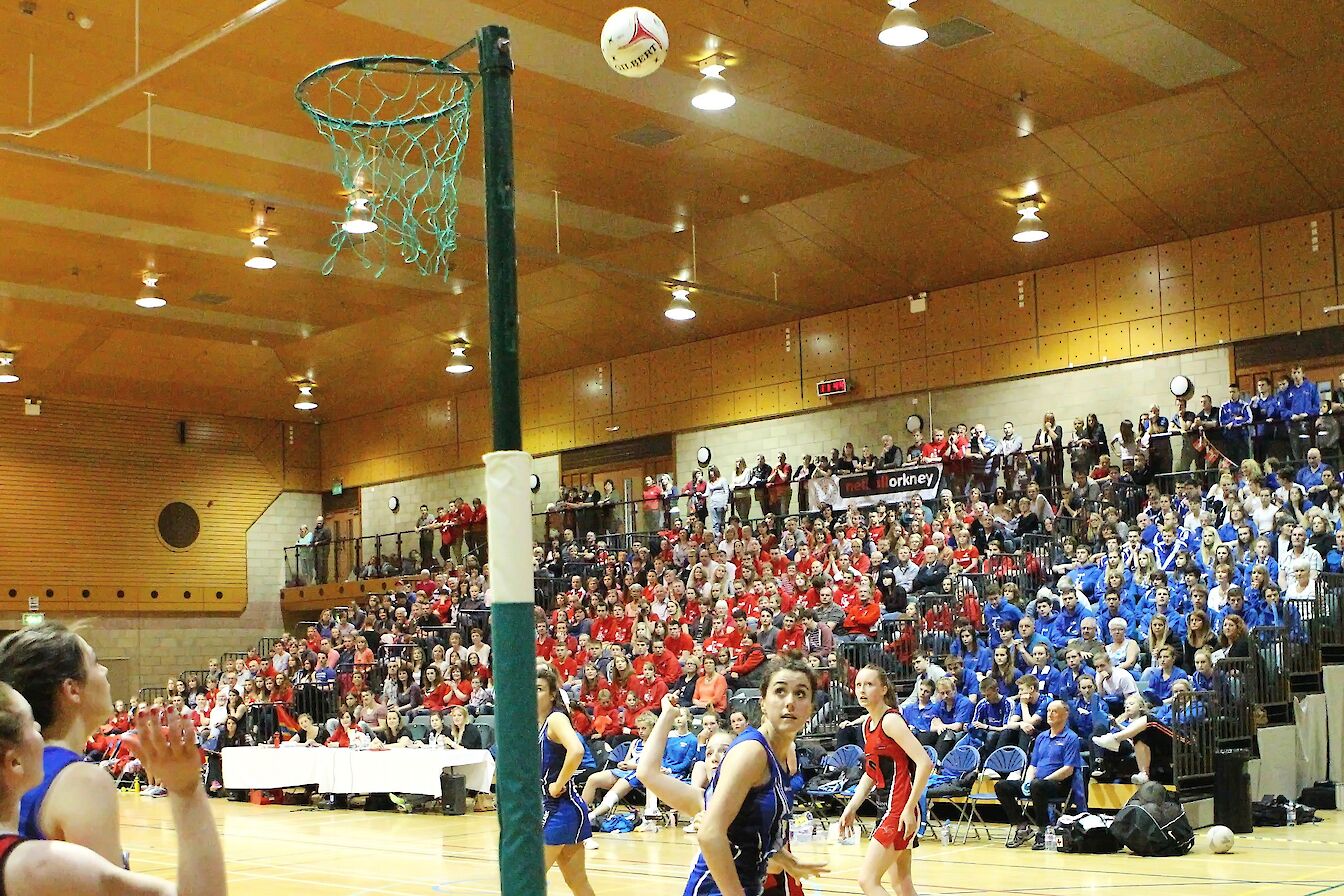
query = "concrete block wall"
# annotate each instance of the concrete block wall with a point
(1112, 391)
(438, 489)
(267, 539)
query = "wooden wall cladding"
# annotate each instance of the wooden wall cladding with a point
(83, 487)
(1227, 267)
(1208, 291)
(1298, 254)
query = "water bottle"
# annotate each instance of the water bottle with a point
(945, 834)
(1051, 842)
(1292, 814)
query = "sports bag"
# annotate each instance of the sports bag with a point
(1087, 834)
(1272, 812)
(1153, 828)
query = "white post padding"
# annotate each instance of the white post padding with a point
(508, 502)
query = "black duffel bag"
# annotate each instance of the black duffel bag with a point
(1087, 834)
(1272, 812)
(1153, 828)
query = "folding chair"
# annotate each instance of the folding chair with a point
(1003, 762)
(842, 768)
(924, 797)
(960, 769)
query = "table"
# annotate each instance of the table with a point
(342, 770)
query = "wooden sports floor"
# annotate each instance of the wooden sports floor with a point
(274, 849)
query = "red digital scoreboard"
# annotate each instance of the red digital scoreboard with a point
(833, 387)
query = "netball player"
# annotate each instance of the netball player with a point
(564, 815)
(893, 760)
(745, 821)
(67, 690)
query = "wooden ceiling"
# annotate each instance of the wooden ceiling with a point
(849, 173)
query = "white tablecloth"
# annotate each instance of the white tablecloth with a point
(339, 770)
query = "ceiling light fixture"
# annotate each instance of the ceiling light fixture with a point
(1029, 226)
(680, 309)
(7, 372)
(306, 402)
(260, 257)
(149, 291)
(459, 364)
(714, 94)
(901, 27)
(359, 215)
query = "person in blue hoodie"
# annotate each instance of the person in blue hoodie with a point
(1069, 619)
(996, 609)
(1234, 421)
(1087, 573)
(1075, 670)
(1162, 607)
(1300, 404)
(1044, 671)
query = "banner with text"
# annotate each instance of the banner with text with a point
(891, 486)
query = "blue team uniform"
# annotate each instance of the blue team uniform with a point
(564, 820)
(54, 761)
(758, 832)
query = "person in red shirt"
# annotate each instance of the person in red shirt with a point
(677, 641)
(862, 614)
(562, 636)
(845, 591)
(600, 630)
(620, 626)
(433, 692)
(749, 658)
(649, 689)
(606, 714)
(465, 519)
(544, 643)
(566, 667)
(667, 663)
(477, 533)
(447, 522)
(790, 637)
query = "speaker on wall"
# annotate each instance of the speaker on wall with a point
(182, 432)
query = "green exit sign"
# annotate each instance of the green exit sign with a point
(34, 619)
(337, 487)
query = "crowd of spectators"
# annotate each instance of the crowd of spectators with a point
(1115, 590)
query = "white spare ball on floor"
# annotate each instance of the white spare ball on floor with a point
(1221, 839)
(634, 42)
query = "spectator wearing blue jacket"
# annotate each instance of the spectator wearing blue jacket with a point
(1088, 714)
(1237, 605)
(1155, 686)
(1044, 671)
(1162, 607)
(1069, 620)
(1312, 474)
(1265, 419)
(1026, 641)
(1114, 609)
(973, 652)
(1334, 558)
(951, 718)
(989, 723)
(1300, 403)
(997, 609)
(1067, 679)
(965, 681)
(1234, 419)
(919, 714)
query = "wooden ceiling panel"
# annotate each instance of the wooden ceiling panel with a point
(1121, 163)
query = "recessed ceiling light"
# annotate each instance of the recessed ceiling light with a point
(7, 372)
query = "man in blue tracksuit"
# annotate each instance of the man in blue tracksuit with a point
(1301, 403)
(1264, 419)
(1234, 421)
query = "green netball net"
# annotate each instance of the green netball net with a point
(397, 126)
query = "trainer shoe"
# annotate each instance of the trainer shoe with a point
(1021, 835)
(1140, 778)
(1039, 843)
(648, 827)
(691, 828)
(590, 843)
(1107, 742)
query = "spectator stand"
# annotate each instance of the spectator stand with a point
(1329, 629)
(149, 695)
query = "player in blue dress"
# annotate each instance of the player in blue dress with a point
(564, 815)
(745, 824)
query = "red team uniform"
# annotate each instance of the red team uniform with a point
(892, 770)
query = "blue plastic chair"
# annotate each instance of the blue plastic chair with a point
(818, 800)
(960, 761)
(1004, 762)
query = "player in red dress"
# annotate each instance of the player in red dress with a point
(895, 762)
